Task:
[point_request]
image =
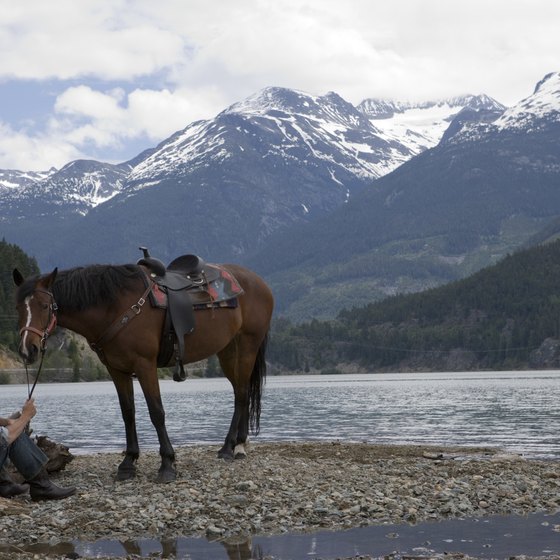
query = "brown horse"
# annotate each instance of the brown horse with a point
(90, 300)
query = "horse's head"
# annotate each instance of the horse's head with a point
(36, 310)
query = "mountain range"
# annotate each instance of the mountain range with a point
(220, 187)
(334, 204)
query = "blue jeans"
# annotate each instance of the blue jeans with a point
(26, 457)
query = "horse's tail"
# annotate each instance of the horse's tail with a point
(256, 385)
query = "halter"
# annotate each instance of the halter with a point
(51, 325)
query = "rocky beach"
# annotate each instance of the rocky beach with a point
(279, 488)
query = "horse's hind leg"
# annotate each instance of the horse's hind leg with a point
(240, 417)
(125, 392)
(240, 364)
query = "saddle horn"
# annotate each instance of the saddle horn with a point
(154, 265)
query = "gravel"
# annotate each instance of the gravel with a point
(279, 488)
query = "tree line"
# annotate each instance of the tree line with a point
(497, 318)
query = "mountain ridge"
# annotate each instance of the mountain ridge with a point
(276, 159)
(298, 187)
(479, 194)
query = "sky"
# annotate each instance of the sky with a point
(106, 79)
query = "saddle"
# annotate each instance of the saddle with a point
(187, 284)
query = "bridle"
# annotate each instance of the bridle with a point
(51, 321)
(44, 334)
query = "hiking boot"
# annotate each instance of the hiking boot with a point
(9, 489)
(42, 488)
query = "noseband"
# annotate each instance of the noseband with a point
(51, 322)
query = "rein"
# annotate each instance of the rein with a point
(120, 322)
(51, 325)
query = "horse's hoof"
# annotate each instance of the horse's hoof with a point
(166, 476)
(125, 475)
(225, 455)
(239, 452)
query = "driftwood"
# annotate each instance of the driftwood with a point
(58, 454)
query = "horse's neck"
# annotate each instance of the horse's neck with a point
(90, 323)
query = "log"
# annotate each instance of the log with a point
(59, 455)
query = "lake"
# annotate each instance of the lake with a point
(516, 411)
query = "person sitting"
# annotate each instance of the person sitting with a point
(27, 458)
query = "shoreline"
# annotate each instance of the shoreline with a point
(282, 488)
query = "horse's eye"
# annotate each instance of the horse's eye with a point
(44, 305)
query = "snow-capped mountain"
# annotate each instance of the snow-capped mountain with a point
(353, 144)
(542, 106)
(488, 188)
(534, 114)
(420, 126)
(13, 181)
(279, 158)
(76, 188)
(291, 125)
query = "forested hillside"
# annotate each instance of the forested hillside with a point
(11, 256)
(505, 316)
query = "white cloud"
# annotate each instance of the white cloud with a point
(129, 70)
(66, 39)
(33, 152)
(109, 118)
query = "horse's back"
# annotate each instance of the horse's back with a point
(257, 301)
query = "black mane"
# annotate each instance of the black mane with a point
(81, 288)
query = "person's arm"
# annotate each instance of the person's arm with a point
(16, 426)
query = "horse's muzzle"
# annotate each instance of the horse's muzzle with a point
(29, 353)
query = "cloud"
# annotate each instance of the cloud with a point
(66, 39)
(129, 71)
(34, 152)
(109, 118)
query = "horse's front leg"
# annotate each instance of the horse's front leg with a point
(125, 392)
(150, 386)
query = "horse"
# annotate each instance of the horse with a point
(106, 302)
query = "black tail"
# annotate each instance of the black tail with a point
(256, 385)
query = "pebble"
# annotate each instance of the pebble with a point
(282, 487)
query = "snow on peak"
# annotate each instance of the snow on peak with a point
(544, 103)
(421, 125)
(274, 99)
(277, 102)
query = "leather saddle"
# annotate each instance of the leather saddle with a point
(184, 276)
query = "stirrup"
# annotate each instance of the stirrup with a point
(180, 374)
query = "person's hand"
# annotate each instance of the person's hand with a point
(29, 409)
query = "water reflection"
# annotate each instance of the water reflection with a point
(240, 548)
(534, 535)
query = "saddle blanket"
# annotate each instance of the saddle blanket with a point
(221, 292)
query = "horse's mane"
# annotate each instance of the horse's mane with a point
(81, 288)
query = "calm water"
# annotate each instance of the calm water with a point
(517, 411)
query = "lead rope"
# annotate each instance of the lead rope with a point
(30, 391)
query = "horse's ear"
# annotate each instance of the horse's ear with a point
(51, 277)
(18, 278)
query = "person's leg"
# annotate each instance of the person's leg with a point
(27, 457)
(29, 460)
(8, 488)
